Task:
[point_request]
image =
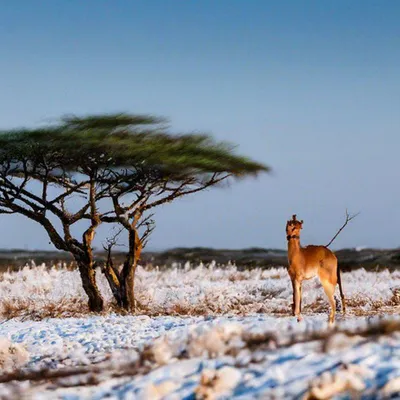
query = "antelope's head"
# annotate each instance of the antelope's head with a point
(293, 228)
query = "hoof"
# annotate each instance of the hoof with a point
(299, 318)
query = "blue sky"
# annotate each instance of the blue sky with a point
(311, 88)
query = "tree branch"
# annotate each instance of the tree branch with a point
(18, 192)
(149, 223)
(41, 219)
(179, 193)
(348, 219)
(2, 211)
(88, 235)
(71, 190)
(112, 274)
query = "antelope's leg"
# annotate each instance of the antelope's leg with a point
(329, 289)
(301, 297)
(294, 298)
(297, 299)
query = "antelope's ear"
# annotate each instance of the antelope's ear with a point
(301, 224)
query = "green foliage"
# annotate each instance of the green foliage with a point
(124, 141)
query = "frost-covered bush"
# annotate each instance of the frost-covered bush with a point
(40, 292)
(12, 355)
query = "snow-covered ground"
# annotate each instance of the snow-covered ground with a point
(237, 339)
(190, 351)
(38, 292)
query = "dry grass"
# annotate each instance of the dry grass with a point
(395, 299)
(28, 309)
(43, 292)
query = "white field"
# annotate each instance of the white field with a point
(196, 335)
(39, 292)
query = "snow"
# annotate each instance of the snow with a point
(210, 344)
(40, 292)
(12, 355)
(237, 339)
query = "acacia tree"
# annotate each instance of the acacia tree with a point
(107, 169)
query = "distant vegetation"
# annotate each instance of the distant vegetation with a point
(349, 259)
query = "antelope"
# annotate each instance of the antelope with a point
(308, 262)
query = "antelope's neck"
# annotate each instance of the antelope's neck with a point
(294, 247)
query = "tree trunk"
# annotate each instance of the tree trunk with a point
(86, 263)
(88, 276)
(113, 278)
(130, 287)
(122, 283)
(129, 269)
(124, 293)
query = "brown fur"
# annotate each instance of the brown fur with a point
(308, 262)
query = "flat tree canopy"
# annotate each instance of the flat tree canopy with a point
(132, 163)
(125, 141)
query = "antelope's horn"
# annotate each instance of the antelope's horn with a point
(294, 217)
